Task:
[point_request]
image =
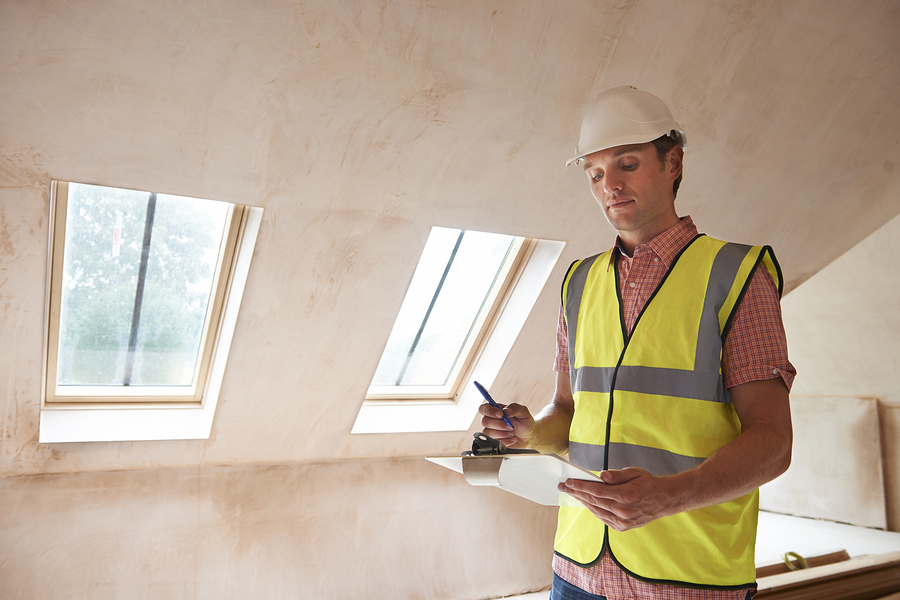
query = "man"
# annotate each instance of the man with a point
(672, 381)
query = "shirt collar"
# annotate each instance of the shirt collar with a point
(666, 245)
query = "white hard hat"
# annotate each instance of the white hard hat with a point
(625, 115)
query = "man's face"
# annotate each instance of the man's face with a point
(634, 189)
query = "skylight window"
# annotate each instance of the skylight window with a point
(137, 290)
(456, 290)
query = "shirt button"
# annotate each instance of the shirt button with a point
(655, 260)
(631, 284)
(774, 371)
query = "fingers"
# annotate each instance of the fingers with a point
(581, 488)
(504, 435)
(516, 411)
(620, 475)
(590, 492)
(609, 479)
(602, 508)
(494, 426)
(511, 411)
(611, 512)
(623, 500)
(490, 414)
(610, 518)
(493, 416)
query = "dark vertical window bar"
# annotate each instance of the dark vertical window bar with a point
(437, 292)
(139, 292)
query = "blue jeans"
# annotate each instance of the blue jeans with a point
(563, 590)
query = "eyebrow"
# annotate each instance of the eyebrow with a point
(588, 164)
(626, 150)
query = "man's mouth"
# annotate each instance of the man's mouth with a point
(619, 202)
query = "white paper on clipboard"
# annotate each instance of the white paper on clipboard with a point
(531, 476)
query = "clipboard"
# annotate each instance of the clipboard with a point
(526, 473)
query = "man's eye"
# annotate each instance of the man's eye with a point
(629, 167)
(597, 177)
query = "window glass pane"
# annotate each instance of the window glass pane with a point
(113, 331)
(448, 291)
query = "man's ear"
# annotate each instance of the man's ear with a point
(675, 161)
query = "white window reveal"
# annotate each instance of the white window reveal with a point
(455, 291)
(143, 293)
(468, 299)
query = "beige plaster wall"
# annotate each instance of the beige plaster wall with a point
(836, 471)
(381, 528)
(358, 125)
(843, 324)
(843, 328)
(890, 444)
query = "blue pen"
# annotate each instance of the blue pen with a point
(490, 400)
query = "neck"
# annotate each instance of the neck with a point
(632, 239)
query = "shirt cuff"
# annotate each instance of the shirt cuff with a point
(761, 373)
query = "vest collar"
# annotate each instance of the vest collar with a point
(666, 245)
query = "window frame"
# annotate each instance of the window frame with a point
(447, 415)
(136, 422)
(85, 395)
(508, 274)
(157, 418)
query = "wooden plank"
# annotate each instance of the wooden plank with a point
(864, 578)
(813, 561)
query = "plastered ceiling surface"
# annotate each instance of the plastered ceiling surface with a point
(359, 125)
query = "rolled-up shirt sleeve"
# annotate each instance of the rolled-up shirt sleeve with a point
(756, 346)
(562, 344)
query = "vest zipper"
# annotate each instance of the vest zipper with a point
(626, 339)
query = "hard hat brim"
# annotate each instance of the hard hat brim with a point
(676, 133)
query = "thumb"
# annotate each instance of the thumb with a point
(517, 410)
(618, 476)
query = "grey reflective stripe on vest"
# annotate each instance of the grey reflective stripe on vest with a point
(658, 462)
(659, 381)
(651, 380)
(709, 338)
(573, 300)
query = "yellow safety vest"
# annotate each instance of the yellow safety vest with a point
(656, 400)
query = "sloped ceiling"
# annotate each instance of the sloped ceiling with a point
(358, 125)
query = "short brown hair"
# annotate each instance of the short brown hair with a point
(663, 144)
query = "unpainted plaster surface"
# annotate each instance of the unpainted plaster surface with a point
(843, 328)
(843, 325)
(359, 125)
(378, 528)
(889, 414)
(836, 471)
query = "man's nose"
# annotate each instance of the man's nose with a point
(612, 183)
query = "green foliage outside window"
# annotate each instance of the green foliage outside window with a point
(104, 242)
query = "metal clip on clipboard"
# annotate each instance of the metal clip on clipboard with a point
(485, 470)
(488, 446)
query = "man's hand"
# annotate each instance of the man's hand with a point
(632, 497)
(495, 427)
(548, 432)
(627, 498)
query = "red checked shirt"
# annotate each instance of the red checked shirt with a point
(755, 349)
